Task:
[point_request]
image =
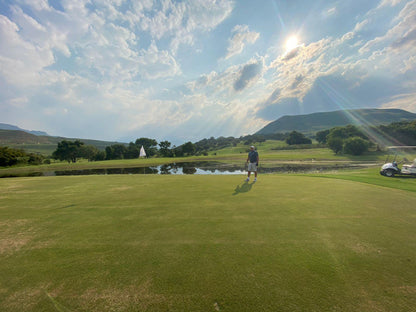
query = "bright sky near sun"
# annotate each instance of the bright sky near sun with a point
(191, 69)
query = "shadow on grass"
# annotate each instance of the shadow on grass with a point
(243, 188)
(401, 176)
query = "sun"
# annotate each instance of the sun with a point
(291, 43)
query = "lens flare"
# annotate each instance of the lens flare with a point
(291, 43)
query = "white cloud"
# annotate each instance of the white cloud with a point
(154, 64)
(21, 61)
(166, 21)
(408, 64)
(19, 102)
(295, 72)
(393, 51)
(241, 36)
(330, 12)
(359, 26)
(405, 24)
(391, 3)
(236, 79)
(45, 36)
(182, 21)
(402, 101)
(87, 59)
(37, 5)
(230, 96)
(208, 14)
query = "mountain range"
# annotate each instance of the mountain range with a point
(4, 126)
(315, 122)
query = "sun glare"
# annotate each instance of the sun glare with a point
(291, 43)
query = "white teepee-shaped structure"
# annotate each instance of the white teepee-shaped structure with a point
(142, 152)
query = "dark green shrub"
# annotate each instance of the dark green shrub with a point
(355, 146)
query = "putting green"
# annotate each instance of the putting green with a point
(205, 243)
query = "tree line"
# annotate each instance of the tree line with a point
(72, 150)
(348, 140)
(356, 141)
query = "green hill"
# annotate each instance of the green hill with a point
(320, 121)
(43, 144)
(21, 137)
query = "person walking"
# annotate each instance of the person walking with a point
(253, 162)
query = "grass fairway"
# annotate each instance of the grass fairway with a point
(206, 243)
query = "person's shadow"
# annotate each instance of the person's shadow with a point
(243, 188)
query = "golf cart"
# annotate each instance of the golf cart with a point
(390, 169)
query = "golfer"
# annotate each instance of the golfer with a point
(253, 162)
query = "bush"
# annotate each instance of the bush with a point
(297, 138)
(355, 146)
(10, 156)
(35, 159)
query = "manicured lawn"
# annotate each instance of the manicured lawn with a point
(208, 243)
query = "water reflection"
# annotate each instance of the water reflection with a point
(201, 167)
(207, 167)
(137, 170)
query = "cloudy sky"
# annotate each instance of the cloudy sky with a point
(191, 69)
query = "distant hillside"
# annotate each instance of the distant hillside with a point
(4, 126)
(27, 141)
(21, 137)
(315, 122)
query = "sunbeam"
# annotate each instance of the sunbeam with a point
(347, 106)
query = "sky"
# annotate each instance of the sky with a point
(192, 69)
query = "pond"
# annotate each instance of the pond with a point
(201, 167)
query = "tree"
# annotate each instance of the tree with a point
(399, 133)
(99, 156)
(346, 132)
(88, 152)
(112, 152)
(336, 144)
(149, 145)
(116, 151)
(297, 138)
(178, 151)
(188, 148)
(68, 150)
(132, 151)
(355, 146)
(108, 153)
(338, 136)
(321, 136)
(164, 149)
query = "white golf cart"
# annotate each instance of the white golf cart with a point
(390, 169)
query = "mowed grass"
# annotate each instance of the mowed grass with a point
(207, 243)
